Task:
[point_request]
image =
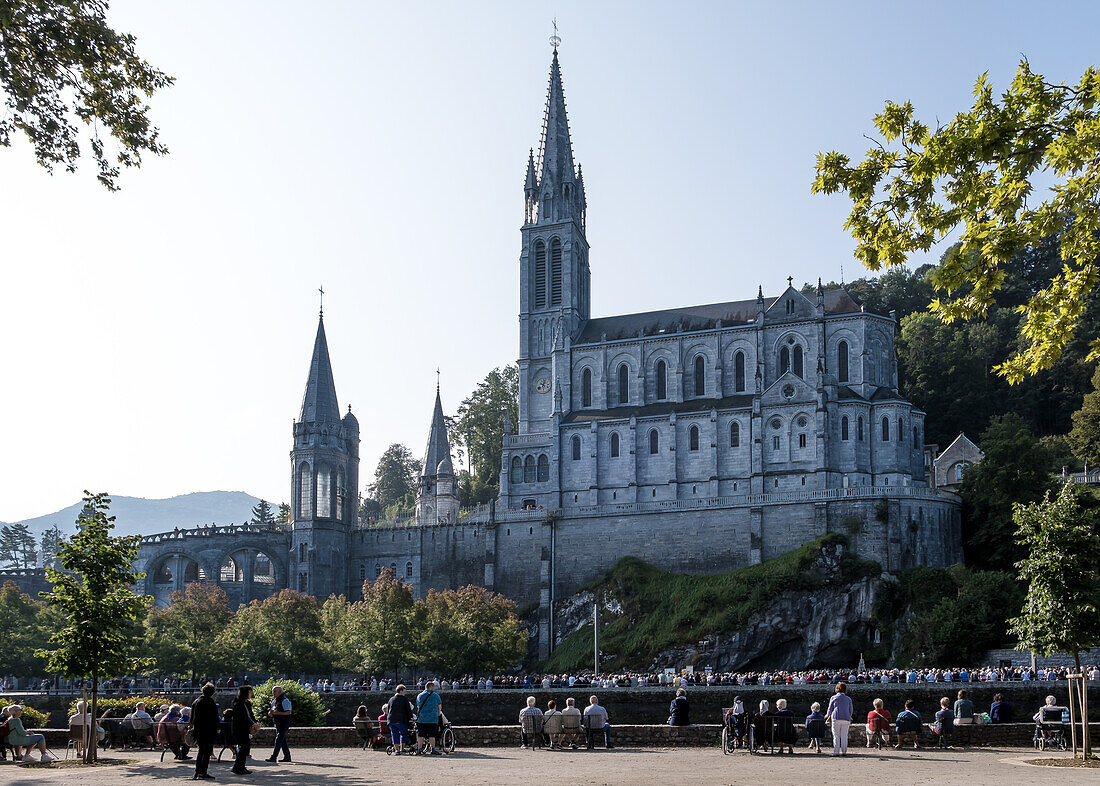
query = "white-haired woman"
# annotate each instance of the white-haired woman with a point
(20, 737)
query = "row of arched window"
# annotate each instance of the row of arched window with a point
(320, 493)
(530, 469)
(614, 443)
(548, 280)
(378, 570)
(698, 379)
(899, 433)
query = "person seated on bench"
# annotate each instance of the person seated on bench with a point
(908, 725)
(878, 720)
(18, 737)
(530, 724)
(595, 717)
(964, 710)
(785, 734)
(945, 723)
(383, 739)
(552, 724)
(678, 711)
(170, 734)
(571, 723)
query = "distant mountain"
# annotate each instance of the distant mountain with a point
(139, 516)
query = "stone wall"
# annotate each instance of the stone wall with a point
(1006, 735)
(650, 705)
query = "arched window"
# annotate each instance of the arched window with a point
(377, 570)
(529, 469)
(517, 470)
(324, 493)
(960, 468)
(693, 438)
(916, 437)
(576, 448)
(886, 429)
(408, 570)
(305, 489)
(614, 444)
(901, 429)
(798, 360)
(263, 571)
(842, 361)
(393, 567)
(662, 380)
(739, 371)
(301, 552)
(555, 272)
(735, 434)
(586, 388)
(784, 361)
(544, 468)
(860, 430)
(340, 495)
(700, 376)
(844, 428)
(230, 572)
(654, 441)
(624, 384)
(540, 274)
(362, 572)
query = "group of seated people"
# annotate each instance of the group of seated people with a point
(15, 736)
(562, 728)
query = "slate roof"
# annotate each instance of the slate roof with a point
(693, 318)
(439, 447)
(319, 403)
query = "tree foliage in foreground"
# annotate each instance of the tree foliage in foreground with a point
(918, 185)
(95, 593)
(62, 67)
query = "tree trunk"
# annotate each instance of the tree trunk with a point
(90, 751)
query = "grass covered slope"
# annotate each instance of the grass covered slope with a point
(661, 609)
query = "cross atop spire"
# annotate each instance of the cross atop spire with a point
(555, 40)
(321, 289)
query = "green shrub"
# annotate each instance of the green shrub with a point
(306, 706)
(882, 511)
(853, 524)
(121, 706)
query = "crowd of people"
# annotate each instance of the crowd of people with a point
(626, 679)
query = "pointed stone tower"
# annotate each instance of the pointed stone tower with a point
(437, 498)
(324, 482)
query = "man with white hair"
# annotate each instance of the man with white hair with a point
(595, 717)
(530, 723)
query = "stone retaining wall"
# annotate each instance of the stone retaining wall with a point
(1002, 735)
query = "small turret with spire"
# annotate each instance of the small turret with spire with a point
(436, 499)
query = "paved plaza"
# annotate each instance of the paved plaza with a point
(491, 766)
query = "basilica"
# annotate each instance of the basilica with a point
(700, 439)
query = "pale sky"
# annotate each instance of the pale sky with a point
(156, 341)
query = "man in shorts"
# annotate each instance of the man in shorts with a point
(427, 717)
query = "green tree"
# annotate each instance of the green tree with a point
(280, 634)
(1061, 612)
(95, 593)
(50, 540)
(1084, 438)
(472, 630)
(978, 172)
(479, 428)
(261, 513)
(380, 624)
(21, 620)
(396, 478)
(283, 518)
(1015, 467)
(195, 617)
(62, 67)
(17, 546)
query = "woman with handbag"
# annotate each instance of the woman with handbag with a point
(244, 724)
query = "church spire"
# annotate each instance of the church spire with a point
(557, 174)
(438, 451)
(319, 402)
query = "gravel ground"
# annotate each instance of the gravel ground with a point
(507, 767)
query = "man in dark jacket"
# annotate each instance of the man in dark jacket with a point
(399, 713)
(205, 721)
(244, 721)
(678, 710)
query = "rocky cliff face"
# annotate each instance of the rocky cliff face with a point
(823, 627)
